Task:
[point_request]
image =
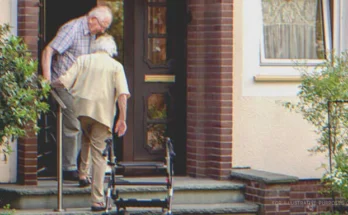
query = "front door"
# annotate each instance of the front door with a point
(154, 59)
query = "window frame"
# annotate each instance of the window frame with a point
(293, 62)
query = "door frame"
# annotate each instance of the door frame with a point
(129, 44)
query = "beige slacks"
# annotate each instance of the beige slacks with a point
(93, 137)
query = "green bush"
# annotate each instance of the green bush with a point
(22, 90)
(8, 210)
(322, 95)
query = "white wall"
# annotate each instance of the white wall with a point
(8, 14)
(266, 136)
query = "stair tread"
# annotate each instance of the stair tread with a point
(141, 163)
(228, 208)
(69, 187)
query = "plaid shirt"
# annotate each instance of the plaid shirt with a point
(72, 40)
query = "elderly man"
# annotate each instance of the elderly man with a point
(72, 40)
(96, 82)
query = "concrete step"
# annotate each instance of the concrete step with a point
(178, 209)
(191, 196)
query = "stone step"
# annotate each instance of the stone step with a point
(178, 209)
(186, 191)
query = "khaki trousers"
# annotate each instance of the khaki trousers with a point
(93, 137)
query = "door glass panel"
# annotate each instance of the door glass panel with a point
(157, 50)
(156, 32)
(157, 20)
(156, 120)
(156, 136)
(156, 107)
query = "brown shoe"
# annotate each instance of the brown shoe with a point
(84, 182)
(98, 207)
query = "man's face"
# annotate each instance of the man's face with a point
(97, 26)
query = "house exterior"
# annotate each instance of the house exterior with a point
(232, 85)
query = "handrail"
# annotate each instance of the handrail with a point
(61, 106)
(57, 98)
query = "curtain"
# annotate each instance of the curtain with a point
(293, 29)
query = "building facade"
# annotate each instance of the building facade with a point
(229, 88)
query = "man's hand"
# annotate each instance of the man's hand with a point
(57, 84)
(120, 128)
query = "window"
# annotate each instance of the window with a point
(156, 32)
(295, 31)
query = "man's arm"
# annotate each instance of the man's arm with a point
(121, 125)
(46, 60)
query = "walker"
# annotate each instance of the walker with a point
(112, 194)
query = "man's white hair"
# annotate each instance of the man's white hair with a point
(104, 43)
(101, 13)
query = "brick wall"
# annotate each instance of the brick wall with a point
(28, 29)
(300, 198)
(209, 93)
(28, 24)
(306, 197)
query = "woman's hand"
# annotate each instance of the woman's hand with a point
(120, 128)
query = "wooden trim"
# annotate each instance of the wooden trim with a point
(277, 78)
(129, 69)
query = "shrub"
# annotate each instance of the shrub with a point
(22, 90)
(323, 97)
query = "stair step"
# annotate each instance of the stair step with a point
(186, 191)
(139, 183)
(178, 209)
(122, 203)
(141, 164)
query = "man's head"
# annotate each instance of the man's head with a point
(99, 19)
(104, 43)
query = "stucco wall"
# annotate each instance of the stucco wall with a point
(8, 164)
(266, 136)
(8, 13)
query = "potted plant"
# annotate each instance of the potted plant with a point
(22, 95)
(323, 102)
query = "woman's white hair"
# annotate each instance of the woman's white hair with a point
(104, 43)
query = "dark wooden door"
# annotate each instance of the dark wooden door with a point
(53, 14)
(155, 33)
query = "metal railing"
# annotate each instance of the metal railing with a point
(61, 106)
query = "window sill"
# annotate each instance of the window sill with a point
(277, 78)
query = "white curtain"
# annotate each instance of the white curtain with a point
(293, 29)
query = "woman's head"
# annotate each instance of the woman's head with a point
(104, 43)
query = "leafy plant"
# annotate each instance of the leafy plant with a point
(337, 179)
(7, 210)
(327, 82)
(22, 90)
(323, 102)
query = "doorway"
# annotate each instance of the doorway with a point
(151, 39)
(52, 15)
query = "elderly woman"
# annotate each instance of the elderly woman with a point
(96, 81)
